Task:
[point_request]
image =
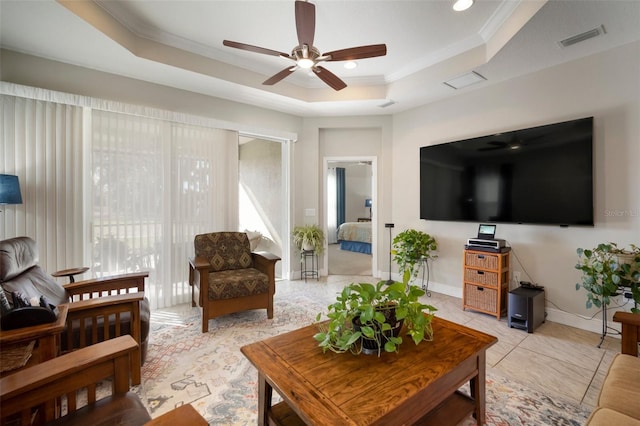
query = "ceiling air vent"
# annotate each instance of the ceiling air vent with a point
(582, 36)
(387, 104)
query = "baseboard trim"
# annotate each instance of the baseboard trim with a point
(445, 289)
(589, 324)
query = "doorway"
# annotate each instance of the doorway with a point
(263, 196)
(350, 212)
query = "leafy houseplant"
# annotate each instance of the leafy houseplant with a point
(309, 237)
(367, 313)
(605, 270)
(410, 247)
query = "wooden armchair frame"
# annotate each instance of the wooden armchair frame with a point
(199, 269)
(39, 388)
(92, 304)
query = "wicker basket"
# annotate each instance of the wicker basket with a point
(480, 298)
(485, 261)
(481, 277)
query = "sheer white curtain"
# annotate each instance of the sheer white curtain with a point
(41, 143)
(156, 184)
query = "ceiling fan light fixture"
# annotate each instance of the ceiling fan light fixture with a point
(350, 65)
(306, 56)
(462, 5)
(305, 63)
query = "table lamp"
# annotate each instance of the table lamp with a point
(10, 190)
(367, 203)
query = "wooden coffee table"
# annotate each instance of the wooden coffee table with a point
(418, 385)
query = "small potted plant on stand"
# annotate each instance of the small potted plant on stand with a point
(410, 248)
(606, 271)
(309, 237)
(368, 318)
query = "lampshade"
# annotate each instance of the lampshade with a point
(367, 202)
(10, 190)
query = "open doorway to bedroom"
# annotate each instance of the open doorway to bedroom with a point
(350, 190)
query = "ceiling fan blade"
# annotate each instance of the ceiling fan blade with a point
(305, 22)
(360, 52)
(251, 48)
(330, 78)
(281, 75)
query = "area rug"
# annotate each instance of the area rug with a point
(185, 366)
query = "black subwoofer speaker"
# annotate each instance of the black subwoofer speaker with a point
(526, 308)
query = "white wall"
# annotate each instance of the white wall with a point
(606, 86)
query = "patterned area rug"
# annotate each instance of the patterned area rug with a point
(209, 371)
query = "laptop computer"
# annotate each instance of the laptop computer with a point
(486, 232)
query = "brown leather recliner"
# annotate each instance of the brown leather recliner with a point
(116, 299)
(226, 276)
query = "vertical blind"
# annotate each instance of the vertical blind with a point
(146, 187)
(157, 184)
(41, 143)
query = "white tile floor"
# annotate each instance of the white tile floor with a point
(557, 359)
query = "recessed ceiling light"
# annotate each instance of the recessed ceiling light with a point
(461, 5)
(350, 65)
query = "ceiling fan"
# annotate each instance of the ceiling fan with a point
(306, 55)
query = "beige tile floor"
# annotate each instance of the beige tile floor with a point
(555, 359)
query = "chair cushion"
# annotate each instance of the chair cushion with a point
(16, 256)
(621, 388)
(237, 283)
(224, 250)
(609, 417)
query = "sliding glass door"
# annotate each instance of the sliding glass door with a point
(155, 185)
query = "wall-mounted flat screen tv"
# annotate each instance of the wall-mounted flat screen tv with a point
(539, 175)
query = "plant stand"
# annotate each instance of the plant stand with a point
(425, 269)
(309, 270)
(604, 325)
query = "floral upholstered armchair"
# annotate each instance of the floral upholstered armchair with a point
(226, 276)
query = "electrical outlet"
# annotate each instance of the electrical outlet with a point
(517, 276)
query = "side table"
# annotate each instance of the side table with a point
(309, 271)
(70, 273)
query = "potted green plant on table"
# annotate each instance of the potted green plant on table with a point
(606, 271)
(309, 237)
(409, 249)
(368, 318)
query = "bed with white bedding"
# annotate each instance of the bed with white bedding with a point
(355, 236)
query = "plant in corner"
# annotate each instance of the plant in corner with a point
(606, 269)
(309, 237)
(410, 248)
(368, 318)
